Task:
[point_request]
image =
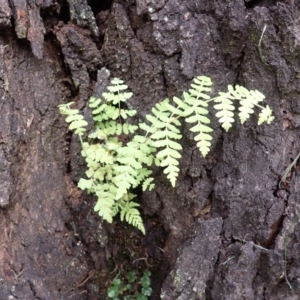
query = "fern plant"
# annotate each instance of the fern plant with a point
(113, 168)
(130, 287)
(116, 166)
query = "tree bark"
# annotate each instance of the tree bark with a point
(230, 228)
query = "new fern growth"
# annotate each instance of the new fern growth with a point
(115, 167)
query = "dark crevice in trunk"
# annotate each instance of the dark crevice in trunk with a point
(239, 68)
(251, 4)
(98, 6)
(55, 51)
(51, 13)
(64, 14)
(276, 229)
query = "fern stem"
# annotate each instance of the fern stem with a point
(212, 99)
(119, 106)
(259, 106)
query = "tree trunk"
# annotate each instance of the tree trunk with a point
(230, 228)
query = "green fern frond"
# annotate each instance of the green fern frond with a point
(171, 169)
(98, 134)
(200, 87)
(116, 94)
(125, 113)
(156, 122)
(111, 128)
(117, 87)
(147, 128)
(170, 154)
(104, 206)
(94, 102)
(125, 179)
(115, 210)
(181, 105)
(132, 216)
(97, 153)
(169, 157)
(130, 161)
(265, 116)
(112, 112)
(140, 149)
(148, 184)
(225, 108)
(117, 81)
(197, 112)
(161, 115)
(106, 199)
(248, 99)
(98, 109)
(75, 119)
(85, 184)
(143, 175)
(163, 131)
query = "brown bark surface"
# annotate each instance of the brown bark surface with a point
(229, 230)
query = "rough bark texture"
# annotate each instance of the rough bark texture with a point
(229, 230)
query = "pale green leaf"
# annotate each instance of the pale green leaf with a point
(226, 125)
(160, 143)
(224, 106)
(157, 161)
(175, 111)
(180, 103)
(172, 174)
(158, 135)
(117, 88)
(169, 161)
(196, 118)
(204, 147)
(203, 136)
(85, 184)
(148, 184)
(75, 117)
(201, 111)
(109, 97)
(198, 94)
(173, 135)
(245, 113)
(93, 102)
(174, 145)
(78, 124)
(156, 123)
(200, 127)
(122, 97)
(117, 81)
(265, 116)
(146, 127)
(172, 128)
(124, 113)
